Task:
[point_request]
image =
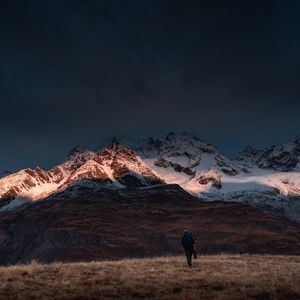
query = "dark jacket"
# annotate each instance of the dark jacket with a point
(187, 241)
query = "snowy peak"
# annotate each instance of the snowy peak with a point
(28, 183)
(77, 157)
(185, 153)
(90, 170)
(115, 166)
(126, 167)
(190, 152)
(284, 157)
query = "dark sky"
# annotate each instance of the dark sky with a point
(77, 72)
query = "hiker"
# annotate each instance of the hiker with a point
(188, 245)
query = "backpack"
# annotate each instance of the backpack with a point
(187, 241)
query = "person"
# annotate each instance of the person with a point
(188, 244)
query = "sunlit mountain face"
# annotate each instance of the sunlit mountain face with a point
(267, 178)
(115, 167)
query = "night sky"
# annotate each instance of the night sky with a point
(77, 72)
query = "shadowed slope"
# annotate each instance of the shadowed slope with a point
(88, 223)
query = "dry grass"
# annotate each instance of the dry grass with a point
(211, 277)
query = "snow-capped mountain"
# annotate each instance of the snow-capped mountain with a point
(113, 167)
(116, 165)
(25, 182)
(29, 184)
(186, 160)
(201, 169)
(285, 157)
(268, 178)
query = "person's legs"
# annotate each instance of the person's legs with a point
(190, 257)
(188, 254)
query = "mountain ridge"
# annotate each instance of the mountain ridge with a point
(255, 177)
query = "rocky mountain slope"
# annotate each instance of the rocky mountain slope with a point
(86, 222)
(115, 167)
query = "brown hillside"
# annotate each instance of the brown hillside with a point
(84, 224)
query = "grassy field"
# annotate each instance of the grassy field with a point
(211, 277)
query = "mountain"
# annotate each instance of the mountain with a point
(88, 222)
(268, 179)
(115, 166)
(26, 185)
(186, 160)
(202, 170)
(285, 157)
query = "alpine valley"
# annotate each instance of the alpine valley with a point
(133, 197)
